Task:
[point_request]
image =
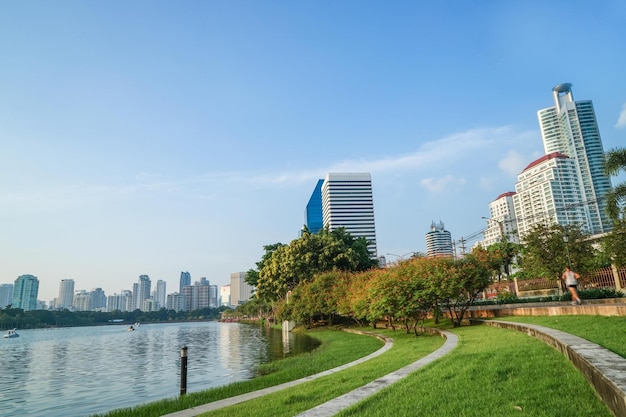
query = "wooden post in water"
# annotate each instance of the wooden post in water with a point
(183, 370)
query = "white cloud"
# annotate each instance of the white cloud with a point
(621, 121)
(440, 184)
(513, 163)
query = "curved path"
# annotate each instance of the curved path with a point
(334, 406)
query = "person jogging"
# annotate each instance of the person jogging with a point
(571, 283)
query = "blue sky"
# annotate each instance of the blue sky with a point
(154, 137)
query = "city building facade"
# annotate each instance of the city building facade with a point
(570, 127)
(438, 241)
(66, 294)
(240, 290)
(314, 219)
(347, 202)
(501, 224)
(25, 291)
(548, 191)
(6, 295)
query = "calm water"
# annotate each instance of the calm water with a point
(80, 371)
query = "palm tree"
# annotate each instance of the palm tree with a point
(615, 160)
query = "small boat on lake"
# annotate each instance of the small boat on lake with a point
(11, 334)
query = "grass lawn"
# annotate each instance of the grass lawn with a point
(607, 331)
(406, 349)
(493, 372)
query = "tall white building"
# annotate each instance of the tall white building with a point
(160, 295)
(501, 223)
(438, 241)
(240, 290)
(347, 202)
(548, 191)
(225, 295)
(570, 128)
(141, 291)
(66, 294)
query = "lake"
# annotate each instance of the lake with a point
(79, 371)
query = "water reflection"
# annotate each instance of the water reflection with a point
(81, 371)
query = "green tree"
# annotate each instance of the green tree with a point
(546, 252)
(614, 244)
(307, 256)
(252, 276)
(615, 161)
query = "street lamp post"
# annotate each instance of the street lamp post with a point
(569, 260)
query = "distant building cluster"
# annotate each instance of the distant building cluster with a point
(201, 294)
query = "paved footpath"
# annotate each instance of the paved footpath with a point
(333, 406)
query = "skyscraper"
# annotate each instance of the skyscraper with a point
(314, 220)
(66, 294)
(6, 294)
(143, 291)
(347, 202)
(25, 290)
(240, 290)
(438, 241)
(185, 280)
(570, 128)
(160, 296)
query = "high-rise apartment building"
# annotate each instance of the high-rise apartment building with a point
(501, 224)
(571, 128)
(347, 202)
(121, 302)
(548, 191)
(141, 291)
(185, 280)
(160, 295)
(438, 241)
(240, 290)
(314, 220)
(6, 295)
(25, 291)
(66, 294)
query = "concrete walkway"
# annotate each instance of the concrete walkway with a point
(334, 406)
(605, 370)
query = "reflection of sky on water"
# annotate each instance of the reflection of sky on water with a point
(85, 370)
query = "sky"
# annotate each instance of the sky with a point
(154, 137)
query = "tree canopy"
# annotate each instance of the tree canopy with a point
(313, 253)
(546, 252)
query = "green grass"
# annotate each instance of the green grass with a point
(407, 349)
(493, 372)
(607, 331)
(337, 348)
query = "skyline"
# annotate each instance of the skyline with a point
(184, 137)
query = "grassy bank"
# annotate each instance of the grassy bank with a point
(609, 332)
(337, 348)
(406, 349)
(493, 372)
